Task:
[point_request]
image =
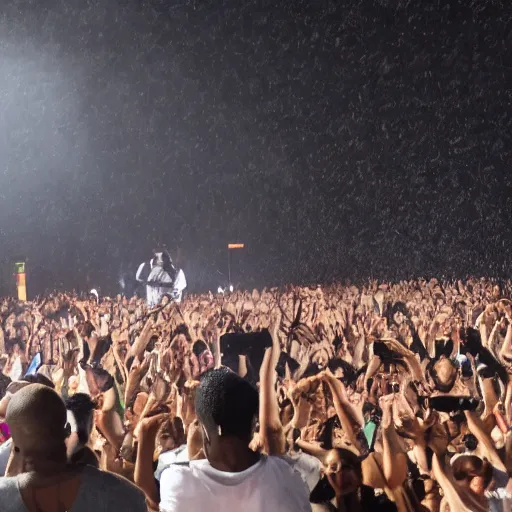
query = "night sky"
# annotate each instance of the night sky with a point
(337, 139)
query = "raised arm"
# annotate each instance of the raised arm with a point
(271, 429)
(394, 459)
(350, 417)
(445, 480)
(143, 475)
(477, 429)
(142, 341)
(313, 449)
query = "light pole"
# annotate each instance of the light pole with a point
(232, 247)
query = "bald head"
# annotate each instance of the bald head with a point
(445, 373)
(37, 417)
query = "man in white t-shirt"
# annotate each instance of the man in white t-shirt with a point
(233, 478)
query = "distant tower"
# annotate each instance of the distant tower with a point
(21, 281)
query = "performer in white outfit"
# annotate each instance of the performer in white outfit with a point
(161, 277)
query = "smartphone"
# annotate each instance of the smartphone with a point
(386, 355)
(370, 431)
(449, 403)
(34, 365)
(252, 345)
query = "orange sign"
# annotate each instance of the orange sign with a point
(236, 246)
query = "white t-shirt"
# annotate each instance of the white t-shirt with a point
(309, 467)
(270, 485)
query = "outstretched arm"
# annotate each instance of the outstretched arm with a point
(350, 417)
(477, 429)
(443, 478)
(142, 341)
(313, 449)
(143, 476)
(394, 459)
(271, 429)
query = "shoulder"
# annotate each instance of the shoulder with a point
(94, 474)
(281, 464)
(283, 467)
(10, 497)
(111, 484)
(6, 447)
(177, 479)
(180, 489)
(290, 481)
(7, 483)
(307, 466)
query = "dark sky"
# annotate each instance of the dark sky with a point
(336, 139)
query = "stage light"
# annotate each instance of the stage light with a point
(220, 290)
(231, 288)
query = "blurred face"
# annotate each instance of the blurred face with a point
(73, 384)
(23, 333)
(342, 475)
(321, 358)
(398, 317)
(477, 485)
(338, 373)
(168, 438)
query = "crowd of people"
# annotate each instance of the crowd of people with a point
(389, 395)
